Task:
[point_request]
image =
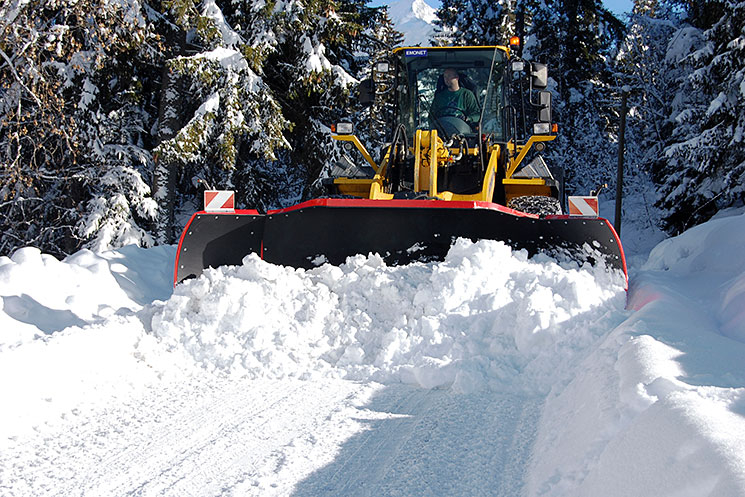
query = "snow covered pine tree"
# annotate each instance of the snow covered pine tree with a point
(702, 169)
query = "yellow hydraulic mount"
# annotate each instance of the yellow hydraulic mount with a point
(519, 187)
(431, 156)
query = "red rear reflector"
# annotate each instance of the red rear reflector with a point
(583, 206)
(219, 201)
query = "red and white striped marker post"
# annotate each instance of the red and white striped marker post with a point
(219, 201)
(583, 206)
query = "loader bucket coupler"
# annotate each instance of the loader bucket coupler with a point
(401, 231)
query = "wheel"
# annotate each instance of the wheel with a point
(536, 204)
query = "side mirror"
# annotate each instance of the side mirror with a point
(544, 113)
(366, 90)
(539, 75)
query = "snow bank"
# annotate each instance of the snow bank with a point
(712, 251)
(485, 318)
(657, 409)
(713, 246)
(42, 295)
(69, 335)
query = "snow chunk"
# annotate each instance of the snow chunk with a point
(683, 43)
(716, 104)
(212, 104)
(317, 60)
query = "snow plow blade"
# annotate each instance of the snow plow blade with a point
(401, 231)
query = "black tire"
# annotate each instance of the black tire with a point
(536, 204)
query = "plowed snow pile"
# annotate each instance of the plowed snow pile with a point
(485, 318)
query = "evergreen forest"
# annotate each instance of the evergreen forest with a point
(115, 115)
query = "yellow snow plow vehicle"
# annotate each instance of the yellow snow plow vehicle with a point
(465, 121)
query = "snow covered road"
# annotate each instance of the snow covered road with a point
(485, 374)
(280, 437)
(199, 437)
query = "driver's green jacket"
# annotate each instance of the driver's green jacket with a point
(460, 103)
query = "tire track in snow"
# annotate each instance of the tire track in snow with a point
(283, 437)
(197, 438)
(165, 451)
(434, 442)
(381, 450)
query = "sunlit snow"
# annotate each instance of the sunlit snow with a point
(489, 373)
(415, 19)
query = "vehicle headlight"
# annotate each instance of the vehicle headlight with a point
(541, 128)
(344, 129)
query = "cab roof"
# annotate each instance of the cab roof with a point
(450, 48)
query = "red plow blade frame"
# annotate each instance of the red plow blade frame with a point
(401, 231)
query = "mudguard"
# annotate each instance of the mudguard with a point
(401, 231)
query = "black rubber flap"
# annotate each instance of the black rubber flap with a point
(214, 240)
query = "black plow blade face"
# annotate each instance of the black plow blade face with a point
(214, 240)
(400, 231)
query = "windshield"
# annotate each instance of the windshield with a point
(424, 82)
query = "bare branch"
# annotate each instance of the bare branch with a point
(18, 78)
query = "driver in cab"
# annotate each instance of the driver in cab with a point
(454, 101)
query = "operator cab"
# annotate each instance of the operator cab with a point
(480, 70)
(420, 78)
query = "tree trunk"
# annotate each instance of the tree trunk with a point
(170, 118)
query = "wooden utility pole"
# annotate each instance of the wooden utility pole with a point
(621, 145)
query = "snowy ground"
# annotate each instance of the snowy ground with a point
(484, 374)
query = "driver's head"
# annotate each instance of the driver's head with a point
(450, 76)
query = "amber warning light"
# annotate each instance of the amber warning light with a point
(515, 41)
